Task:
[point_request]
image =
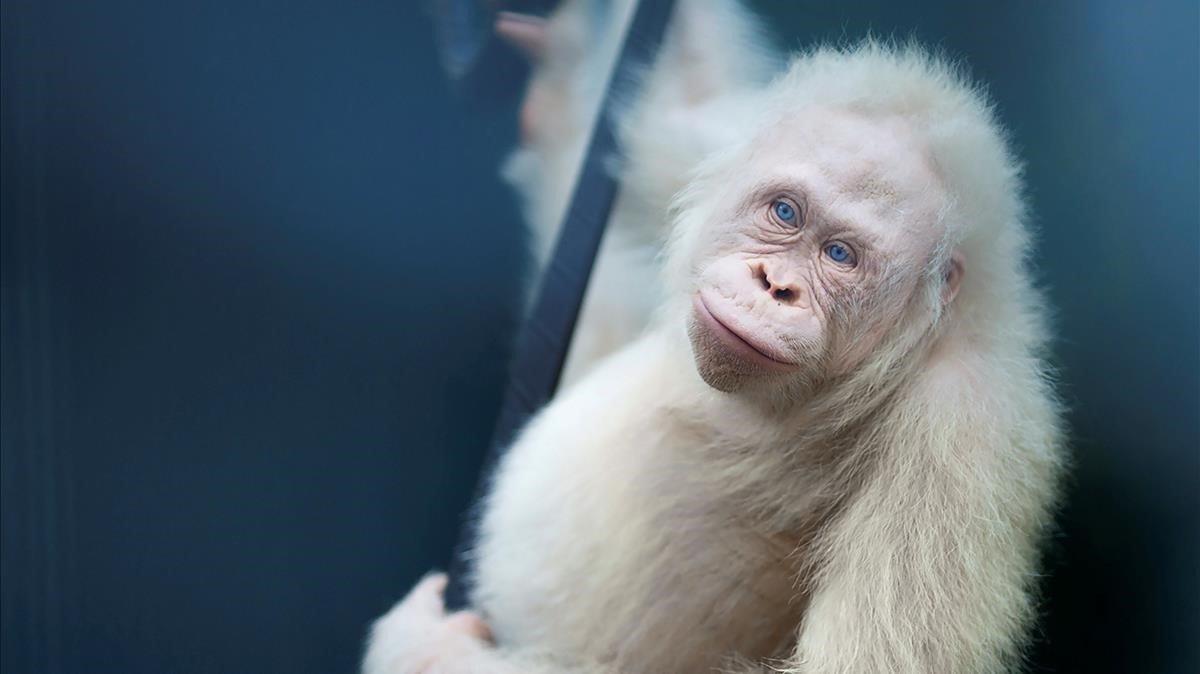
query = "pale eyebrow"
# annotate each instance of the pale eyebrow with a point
(828, 222)
(838, 225)
(773, 187)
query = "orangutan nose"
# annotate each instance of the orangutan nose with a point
(782, 290)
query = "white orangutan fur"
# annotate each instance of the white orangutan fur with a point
(878, 517)
(680, 113)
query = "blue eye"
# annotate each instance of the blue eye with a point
(785, 212)
(839, 253)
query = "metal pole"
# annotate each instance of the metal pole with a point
(546, 336)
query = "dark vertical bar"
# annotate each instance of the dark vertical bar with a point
(542, 346)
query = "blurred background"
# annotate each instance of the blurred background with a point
(260, 280)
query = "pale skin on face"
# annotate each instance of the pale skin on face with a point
(771, 285)
(766, 287)
(887, 522)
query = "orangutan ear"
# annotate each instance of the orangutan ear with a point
(954, 275)
(525, 32)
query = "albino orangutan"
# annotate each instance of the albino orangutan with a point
(835, 449)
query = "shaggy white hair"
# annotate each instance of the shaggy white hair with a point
(644, 522)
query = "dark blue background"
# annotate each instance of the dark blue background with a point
(259, 281)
